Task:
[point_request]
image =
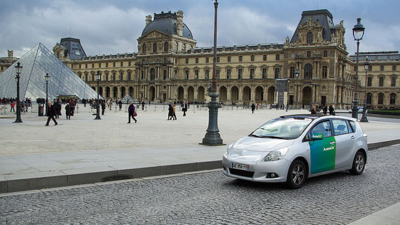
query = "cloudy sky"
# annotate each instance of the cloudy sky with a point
(113, 26)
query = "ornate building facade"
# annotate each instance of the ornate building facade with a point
(314, 66)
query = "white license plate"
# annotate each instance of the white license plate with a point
(240, 166)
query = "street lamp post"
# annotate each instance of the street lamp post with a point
(47, 78)
(358, 33)
(312, 94)
(18, 69)
(297, 86)
(212, 136)
(98, 100)
(364, 115)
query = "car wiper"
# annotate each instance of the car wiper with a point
(274, 137)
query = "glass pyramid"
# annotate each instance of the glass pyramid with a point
(36, 63)
(127, 99)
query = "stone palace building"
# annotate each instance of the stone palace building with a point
(312, 67)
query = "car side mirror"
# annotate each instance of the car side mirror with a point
(317, 136)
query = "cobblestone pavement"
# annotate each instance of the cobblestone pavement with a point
(211, 198)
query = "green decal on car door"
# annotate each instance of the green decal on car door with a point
(323, 154)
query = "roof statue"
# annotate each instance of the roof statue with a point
(36, 64)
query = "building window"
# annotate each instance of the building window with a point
(277, 57)
(308, 54)
(106, 65)
(264, 72)
(166, 47)
(217, 73)
(113, 77)
(355, 68)
(165, 74)
(264, 57)
(187, 61)
(240, 58)
(229, 59)
(277, 73)
(252, 58)
(324, 72)
(308, 71)
(196, 74)
(129, 75)
(207, 60)
(393, 82)
(152, 74)
(99, 65)
(369, 81)
(325, 53)
(183, 47)
(380, 98)
(369, 98)
(228, 73)
(292, 72)
(382, 68)
(197, 60)
(106, 76)
(122, 64)
(121, 76)
(251, 73)
(85, 66)
(217, 59)
(144, 49)
(240, 72)
(129, 63)
(393, 99)
(309, 38)
(381, 80)
(113, 64)
(207, 74)
(176, 46)
(187, 74)
(92, 65)
(394, 68)
(154, 47)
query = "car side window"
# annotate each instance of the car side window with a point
(340, 127)
(324, 128)
(353, 126)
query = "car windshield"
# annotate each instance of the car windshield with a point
(284, 128)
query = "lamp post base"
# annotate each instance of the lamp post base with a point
(212, 137)
(354, 110)
(364, 116)
(97, 112)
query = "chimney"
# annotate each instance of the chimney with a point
(179, 23)
(148, 19)
(10, 54)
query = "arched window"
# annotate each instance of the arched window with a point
(154, 47)
(166, 47)
(380, 98)
(144, 48)
(309, 37)
(393, 99)
(152, 74)
(308, 71)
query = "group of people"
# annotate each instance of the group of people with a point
(172, 113)
(54, 110)
(325, 110)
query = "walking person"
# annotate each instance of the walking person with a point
(12, 106)
(68, 111)
(174, 114)
(331, 110)
(50, 114)
(184, 108)
(253, 107)
(170, 112)
(120, 105)
(131, 113)
(103, 106)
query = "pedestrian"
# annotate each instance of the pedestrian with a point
(103, 106)
(174, 114)
(142, 105)
(313, 110)
(253, 107)
(72, 104)
(184, 108)
(12, 106)
(170, 112)
(120, 105)
(68, 111)
(50, 114)
(57, 107)
(131, 113)
(325, 110)
(331, 110)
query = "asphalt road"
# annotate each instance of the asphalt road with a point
(211, 198)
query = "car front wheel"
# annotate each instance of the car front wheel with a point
(358, 164)
(296, 174)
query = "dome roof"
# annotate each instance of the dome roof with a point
(166, 23)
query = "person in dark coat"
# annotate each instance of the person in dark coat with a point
(184, 108)
(253, 107)
(103, 106)
(331, 110)
(120, 105)
(57, 107)
(68, 111)
(50, 114)
(131, 111)
(170, 112)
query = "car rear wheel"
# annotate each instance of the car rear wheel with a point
(358, 163)
(296, 174)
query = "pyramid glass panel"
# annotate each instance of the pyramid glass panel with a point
(36, 64)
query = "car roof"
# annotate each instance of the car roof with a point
(314, 116)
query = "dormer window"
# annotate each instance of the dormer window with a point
(309, 37)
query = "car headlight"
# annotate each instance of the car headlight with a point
(276, 155)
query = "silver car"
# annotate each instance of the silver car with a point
(293, 148)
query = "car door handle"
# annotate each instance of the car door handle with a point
(332, 142)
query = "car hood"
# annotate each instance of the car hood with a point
(259, 145)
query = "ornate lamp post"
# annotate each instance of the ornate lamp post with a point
(212, 136)
(358, 34)
(47, 78)
(98, 100)
(297, 86)
(364, 115)
(18, 69)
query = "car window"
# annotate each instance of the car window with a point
(340, 127)
(287, 128)
(324, 128)
(353, 126)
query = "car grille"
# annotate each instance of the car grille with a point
(242, 173)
